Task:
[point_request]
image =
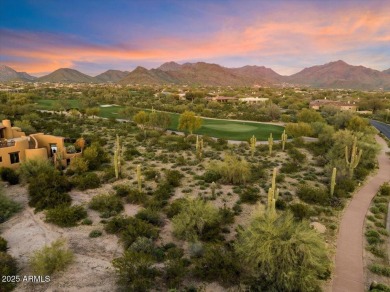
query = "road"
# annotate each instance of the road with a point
(382, 127)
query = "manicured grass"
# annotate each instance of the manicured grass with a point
(230, 130)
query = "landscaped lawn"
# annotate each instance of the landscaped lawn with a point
(231, 130)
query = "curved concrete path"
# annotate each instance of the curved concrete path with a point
(348, 274)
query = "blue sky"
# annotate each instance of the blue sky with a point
(39, 36)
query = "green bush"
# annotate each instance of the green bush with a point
(106, 204)
(7, 207)
(378, 287)
(373, 237)
(122, 190)
(86, 221)
(3, 245)
(380, 269)
(95, 233)
(8, 267)
(211, 176)
(66, 216)
(175, 207)
(218, 263)
(313, 195)
(136, 197)
(300, 211)
(30, 169)
(9, 175)
(385, 189)
(151, 216)
(49, 190)
(85, 181)
(175, 271)
(173, 177)
(250, 195)
(130, 229)
(135, 271)
(51, 258)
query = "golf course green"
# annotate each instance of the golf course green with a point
(226, 129)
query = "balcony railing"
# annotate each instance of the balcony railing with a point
(7, 143)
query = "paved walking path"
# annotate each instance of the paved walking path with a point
(348, 275)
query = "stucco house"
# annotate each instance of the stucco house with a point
(343, 106)
(16, 147)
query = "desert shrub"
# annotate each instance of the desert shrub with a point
(300, 211)
(271, 248)
(385, 189)
(95, 156)
(344, 186)
(50, 259)
(136, 197)
(290, 167)
(151, 216)
(373, 237)
(163, 192)
(8, 267)
(173, 177)
(135, 271)
(3, 245)
(49, 190)
(175, 271)
(85, 181)
(95, 233)
(79, 165)
(106, 204)
(226, 215)
(9, 175)
(130, 229)
(197, 219)
(66, 216)
(175, 207)
(86, 221)
(378, 287)
(217, 263)
(211, 176)
(280, 204)
(30, 169)
(121, 190)
(380, 269)
(7, 207)
(232, 169)
(313, 195)
(250, 195)
(297, 156)
(151, 174)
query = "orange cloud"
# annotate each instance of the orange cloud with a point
(287, 32)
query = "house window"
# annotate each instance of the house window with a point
(53, 149)
(1, 159)
(14, 157)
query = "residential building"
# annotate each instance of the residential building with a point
(222, 98)
(252, 100)
(16, 147)
(343, 106)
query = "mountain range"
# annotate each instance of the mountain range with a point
(9, 74)
(336, 74)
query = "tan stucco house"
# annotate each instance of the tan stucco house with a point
(16, 147)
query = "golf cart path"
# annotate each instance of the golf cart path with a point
(348, 273)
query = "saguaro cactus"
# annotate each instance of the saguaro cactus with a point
(199, 147)
(270, 143)
(213, 187)
(273, 194)
(333, 181)
(353, 160)
(139, 177)
(284, 139)
(117, 157)
(253, 145)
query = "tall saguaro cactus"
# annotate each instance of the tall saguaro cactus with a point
(352, 160)
(284, 139)
(270, 143)
(273, 194)
(139, 177)
(117, 157)
(333, 181)
(199, 147)
(253, 145)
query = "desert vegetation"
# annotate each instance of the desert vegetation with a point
(190, 210)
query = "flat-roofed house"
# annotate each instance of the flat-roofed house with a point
(252, 100)
(343, 106)
(222, 98)
(16, 147)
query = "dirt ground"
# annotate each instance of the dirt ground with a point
(91, 270)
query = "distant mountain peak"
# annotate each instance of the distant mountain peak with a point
(9, 74)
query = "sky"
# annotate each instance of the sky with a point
(40, 36)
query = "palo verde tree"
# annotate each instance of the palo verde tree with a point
(189, 122)
(141, 119)
(279, 253)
